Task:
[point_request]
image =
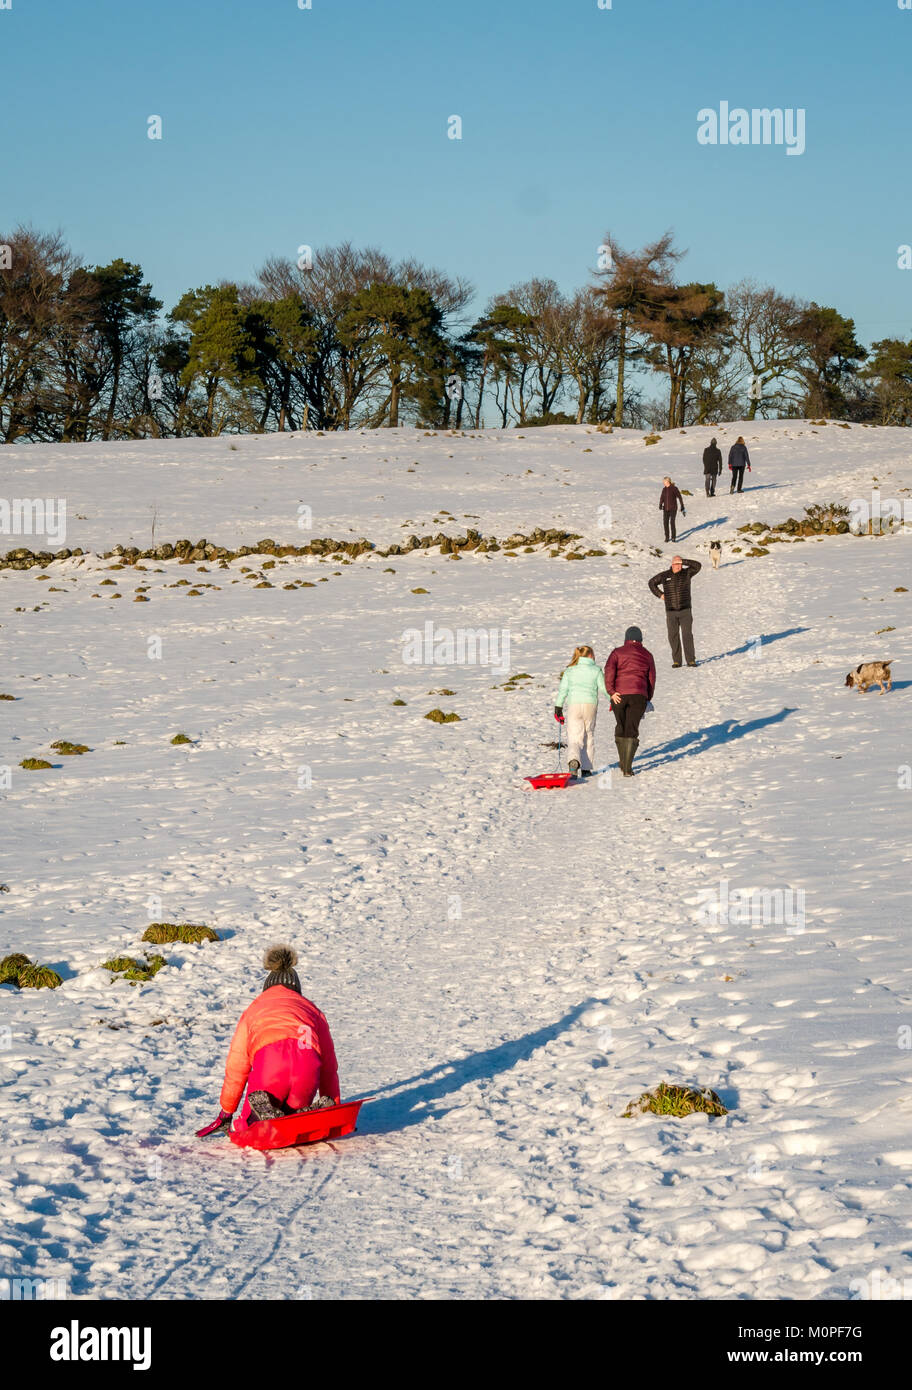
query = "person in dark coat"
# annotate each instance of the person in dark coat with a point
(738, 460)
(668, 506)
(674, 586)
(712, 467)
(630, 676)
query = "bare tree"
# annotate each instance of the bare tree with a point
(715, 377)
(540, 336)
(590, 345)
(35, 310)
(764, 326)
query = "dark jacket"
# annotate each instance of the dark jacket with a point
(630, 670)
(738, 456)
(670, 498)
(676, 587)
(712, 458)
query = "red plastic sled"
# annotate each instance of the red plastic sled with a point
(550, 779)
(545, 780)
(329, 1122)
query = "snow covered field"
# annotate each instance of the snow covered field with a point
(503, 970)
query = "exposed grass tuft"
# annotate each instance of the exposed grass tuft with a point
(676, 1101)
(135, 971)
(20, 971)
(187, 932)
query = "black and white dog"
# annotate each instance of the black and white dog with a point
(715, 553)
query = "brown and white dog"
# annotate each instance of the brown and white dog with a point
(871, 673)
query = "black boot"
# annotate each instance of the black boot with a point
(626, 749)
(634, 745)
(265, 1106)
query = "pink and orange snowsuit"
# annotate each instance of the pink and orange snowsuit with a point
(283, 1045)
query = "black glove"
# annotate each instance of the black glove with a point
(559, 714)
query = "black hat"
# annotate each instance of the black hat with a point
(279, 961)
(633, 634)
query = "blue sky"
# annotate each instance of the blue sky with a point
(285, 126)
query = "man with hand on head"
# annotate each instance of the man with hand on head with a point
(674, 586)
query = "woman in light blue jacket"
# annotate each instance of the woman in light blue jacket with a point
(581, 684)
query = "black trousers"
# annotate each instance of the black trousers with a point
(737, 478)
(679, 622)
(709, 481)
(628, 713)
(669, 520)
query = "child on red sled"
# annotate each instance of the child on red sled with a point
(282, 1050)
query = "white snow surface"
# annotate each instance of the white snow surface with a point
(503, 969)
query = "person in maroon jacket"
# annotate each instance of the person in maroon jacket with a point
(669, 502)
(630, 677)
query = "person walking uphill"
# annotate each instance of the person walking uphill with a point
(738, 460)
(712, 467)
(630, 676)
(282, 1050)
(674, 586)
(581, 684)
(668, 506)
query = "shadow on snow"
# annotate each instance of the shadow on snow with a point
(751, 643)
(703, 526)
(698, 740)
(417, 1102)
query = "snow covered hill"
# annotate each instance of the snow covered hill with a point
(503, 970)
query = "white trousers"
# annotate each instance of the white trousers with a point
(581, 734)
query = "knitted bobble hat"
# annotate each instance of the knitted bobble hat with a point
(633, 634)
(280, 962)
